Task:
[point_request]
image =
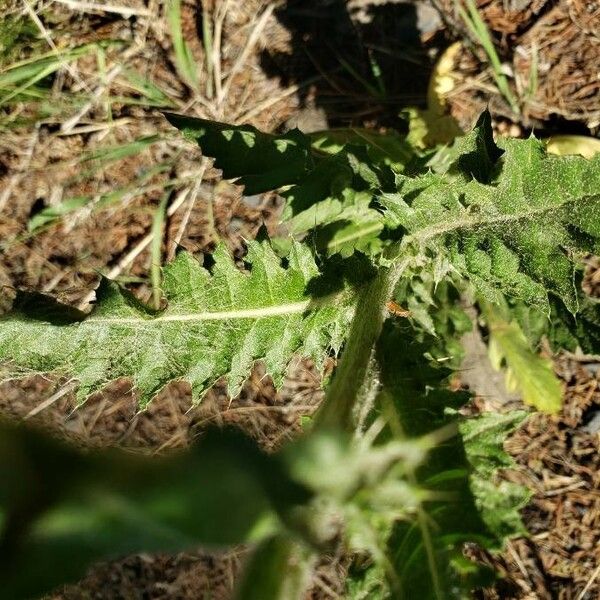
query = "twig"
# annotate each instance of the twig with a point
(519, 564)
(186, 217)
(94, 127)
(65, 389)
(589, 584)
(68, 125)
(126, 11)
(241, 61)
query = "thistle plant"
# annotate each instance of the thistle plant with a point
(388, 471)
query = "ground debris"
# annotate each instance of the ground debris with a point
(549, 51)
(559, 460)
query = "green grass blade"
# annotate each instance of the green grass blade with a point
(479, 29)
(120, 151)
(183, 57)
(152, 94)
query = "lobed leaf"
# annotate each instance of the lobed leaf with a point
(329, 178)
(529, 373)
(563, 330)
(497, 500)
(259, 161)
(215, 325)
(511, 219)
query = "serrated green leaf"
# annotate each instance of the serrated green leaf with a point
(388, 148)
(511, 220)
(527, 372)
(367, 583)
(477, 153)
(436, 311)
(498, 501)
(259, 161)
(566, 331)
(215, 325)
(336, 201)
(329, 186)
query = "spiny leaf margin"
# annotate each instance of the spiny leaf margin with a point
(513, 225)
(216, 324)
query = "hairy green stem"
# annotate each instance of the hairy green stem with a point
(355, 375)
(353, 372)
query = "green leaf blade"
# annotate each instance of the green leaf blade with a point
(259, 161)
(512, 219)
(215, 324)
(457, 506)
(64, 508)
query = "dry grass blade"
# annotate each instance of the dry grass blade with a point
(46, 35)
(68, 125)
(157, 232)
(125, 11)
(589, 584)
(243, 57)
(215, 51)
(193, 196)
(63, 391)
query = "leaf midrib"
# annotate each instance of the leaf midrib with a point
(468, 222)
(226, 315)
(263, 312)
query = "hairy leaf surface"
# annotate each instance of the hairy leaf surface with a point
(563, 330)
(215, 324)
(509, 219)
(329, 178)
(496, 499)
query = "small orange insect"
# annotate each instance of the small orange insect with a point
(397, 310)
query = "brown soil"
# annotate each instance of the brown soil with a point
(550, 51)
(558, 458)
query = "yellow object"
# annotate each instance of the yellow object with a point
(443, 80)
(583, 145)
(432, 127)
